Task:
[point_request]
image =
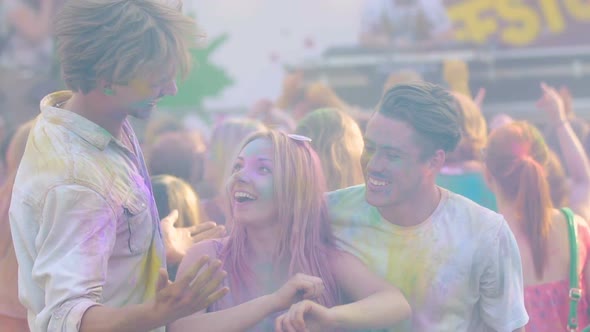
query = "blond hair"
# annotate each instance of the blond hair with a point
(121, 40)
(338, 140)
(223, 148)
(172, 193)
(474, 132)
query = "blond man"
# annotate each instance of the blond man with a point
(84, 222)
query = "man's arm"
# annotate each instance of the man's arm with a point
(77, 232)
(77, 235)
(195, 291)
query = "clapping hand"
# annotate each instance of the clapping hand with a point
(178, 240)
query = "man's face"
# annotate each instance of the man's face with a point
(141, 95)
(394, 171)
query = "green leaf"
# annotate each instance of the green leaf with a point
(205, 80)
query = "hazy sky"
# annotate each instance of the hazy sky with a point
(265, 34)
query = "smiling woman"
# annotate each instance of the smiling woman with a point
(281, 251)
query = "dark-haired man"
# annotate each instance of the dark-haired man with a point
(456, 262)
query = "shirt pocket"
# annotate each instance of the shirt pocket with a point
(139, 221)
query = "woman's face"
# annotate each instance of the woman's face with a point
(251, 186)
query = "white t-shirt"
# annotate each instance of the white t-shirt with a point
(403, 21)
(460, 269)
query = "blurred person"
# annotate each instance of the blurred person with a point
(5, 138)
(463, 169)
(404, 24)
(401, 77)
(499, 120)
(159, 125)
(172, 193)
(27, 64)
(265, 111)
(85, 228)
(281, 256)
(456, 262)
(578, 125)
(180, 153)
(572, 152)
(223, 147)
(338, 140)
(456, 75)
(516, 161)
(13, 316)
(299, 98)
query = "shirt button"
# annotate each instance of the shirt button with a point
(142, 205)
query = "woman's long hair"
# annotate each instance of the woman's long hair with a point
(517, 158)
(306, 238)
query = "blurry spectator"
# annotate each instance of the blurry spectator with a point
(300, 98)
(338, 140)
(180, 154)
(404, 23)
(172, 193)
(225, 140)
(572, 152)
(579, 126)
(6, 137)
(27, 66)
(516, 161)
(400, 77)
(463, 169)
(456, 74)
(499, 120)
(13, 316)
(161, 124)
(272, 117)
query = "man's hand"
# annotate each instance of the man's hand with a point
(178, 240)
(194, 292)
(299, 287)
(305, 316)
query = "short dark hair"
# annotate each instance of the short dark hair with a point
(429, 109)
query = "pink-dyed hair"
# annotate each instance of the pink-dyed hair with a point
(517, 158)
(306, 237)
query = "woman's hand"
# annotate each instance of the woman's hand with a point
(299, 287)
(305, 316)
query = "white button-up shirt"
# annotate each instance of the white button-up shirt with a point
(83, 219)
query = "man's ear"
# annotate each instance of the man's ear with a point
(437, 160)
